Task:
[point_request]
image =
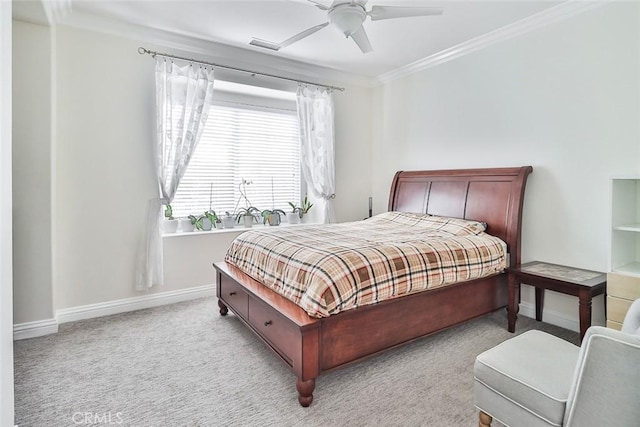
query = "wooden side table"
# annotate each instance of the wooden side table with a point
(584, 284)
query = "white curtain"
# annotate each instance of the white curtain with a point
(315, 114)
(184, 95)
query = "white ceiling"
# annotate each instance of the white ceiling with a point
(396, 42)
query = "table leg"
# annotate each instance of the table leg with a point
(513, 306)
(539, 303)
(585, 312)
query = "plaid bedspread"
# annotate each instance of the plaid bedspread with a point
(330, 268)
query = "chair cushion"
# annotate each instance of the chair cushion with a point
(533, 371)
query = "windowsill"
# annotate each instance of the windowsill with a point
(239, 229)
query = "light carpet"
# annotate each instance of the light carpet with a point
(185, 365)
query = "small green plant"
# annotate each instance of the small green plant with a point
(268, 216)
(306, 205)
(211, 214)
(168, 212)
(295, 208)
(197, 220)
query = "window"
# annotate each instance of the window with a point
(250, 138)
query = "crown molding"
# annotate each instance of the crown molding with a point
(523, 26)
(216, 52)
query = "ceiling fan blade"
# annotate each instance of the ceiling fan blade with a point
(361, 39)
(389, 12)
(300, 36)
(319, 5)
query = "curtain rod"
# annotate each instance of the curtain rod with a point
(142, 51)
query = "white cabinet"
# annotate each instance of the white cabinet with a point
(623, 282)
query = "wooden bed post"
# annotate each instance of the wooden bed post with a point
(306, 364)
(305, 391)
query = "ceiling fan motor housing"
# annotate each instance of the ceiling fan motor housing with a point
(347, 17)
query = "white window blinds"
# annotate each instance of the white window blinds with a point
(242, 142)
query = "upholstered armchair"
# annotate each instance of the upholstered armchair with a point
(537, 379)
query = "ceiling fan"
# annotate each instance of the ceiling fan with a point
(348, 17)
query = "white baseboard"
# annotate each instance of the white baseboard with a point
(130, 304)
(552, 317)
(39, 328)
(50, 326)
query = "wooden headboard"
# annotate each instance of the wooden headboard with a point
(493, 196)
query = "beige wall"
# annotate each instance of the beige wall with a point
(188, 257)
(353, 153)
(564, 99)
(32, 156)
(103, 163)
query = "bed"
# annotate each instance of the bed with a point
(311, 345)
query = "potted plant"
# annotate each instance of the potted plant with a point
(194, 221)
(272, 216)
(306, 207)
(228, 220)
(170, 224)
(213, 218)
(206, 221)
(248, 215)
(295, 215)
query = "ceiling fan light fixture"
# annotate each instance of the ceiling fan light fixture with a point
(347, 18)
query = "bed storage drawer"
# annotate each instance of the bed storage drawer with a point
(234, 296)
(282, 335)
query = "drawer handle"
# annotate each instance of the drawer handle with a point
(232, 293)
(268, 322)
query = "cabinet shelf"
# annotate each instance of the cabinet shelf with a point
(625, 226)
(631, 269)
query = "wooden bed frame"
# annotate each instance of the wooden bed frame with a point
(312, 346)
